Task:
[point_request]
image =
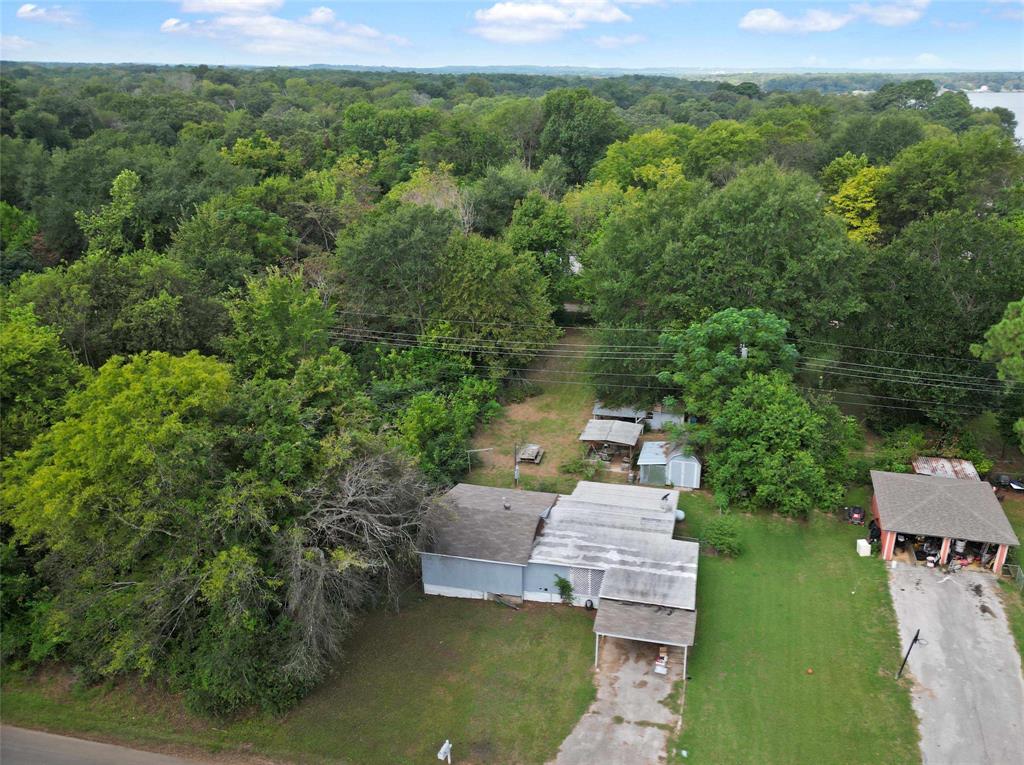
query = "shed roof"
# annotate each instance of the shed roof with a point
(946, 468)
(941, 507)
(477, 525)
(661, 453)
(627, 412)
(649, 624)
(612, 432)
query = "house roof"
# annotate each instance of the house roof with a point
(643, 497)
(612, 432)
(649, 624)
(630, 540)
(477, 525)
(946, 468)
(940, 507)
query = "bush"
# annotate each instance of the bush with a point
(580, 467)
(723, 533)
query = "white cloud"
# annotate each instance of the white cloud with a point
(928, 59)
(610, 42)
(770, 20)
(896, 14)
(518, 21)
(892, 14)
(53, 14)
(230, 6)
(13, 44)
(267, 34)
(175, 25)
(319, 15)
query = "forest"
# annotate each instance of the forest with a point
(251, 318)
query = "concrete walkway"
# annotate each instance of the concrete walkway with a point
(627, 724)
(968, 688)
(19, 746)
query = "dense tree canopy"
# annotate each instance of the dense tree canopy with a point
(252, 317)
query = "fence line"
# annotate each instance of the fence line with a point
(1014, 572)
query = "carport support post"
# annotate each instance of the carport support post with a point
(944, 551)
(597, 645)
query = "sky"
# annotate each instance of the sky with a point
(762, 35)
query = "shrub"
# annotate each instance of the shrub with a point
(723, 533)
(580, 467)
(564, 589)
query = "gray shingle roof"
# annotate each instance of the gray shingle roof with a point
(941, 507)
(477, 525)
(650, 624)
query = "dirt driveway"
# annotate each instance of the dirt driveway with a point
(627, 724)
(968, 689)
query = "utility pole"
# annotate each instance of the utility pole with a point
(917, 638)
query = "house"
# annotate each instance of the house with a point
(612, 542)
(922, 516)
(663, 463)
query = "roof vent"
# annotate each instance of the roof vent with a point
(505, 503)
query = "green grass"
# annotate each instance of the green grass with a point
(1013, 598)
(505, 686)
(798, 598)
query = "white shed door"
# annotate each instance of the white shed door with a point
(675, 472)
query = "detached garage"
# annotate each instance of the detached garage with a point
(663, 464)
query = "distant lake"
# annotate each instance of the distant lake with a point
(1012, 101)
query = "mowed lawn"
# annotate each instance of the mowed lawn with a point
(1013, 598)
(505, 686)
(797, 599)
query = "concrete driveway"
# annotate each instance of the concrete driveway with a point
(968, 689)
(627, 724)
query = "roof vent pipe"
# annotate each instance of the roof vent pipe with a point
(505, 503)
(666, 502)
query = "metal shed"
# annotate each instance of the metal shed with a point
(662, 463)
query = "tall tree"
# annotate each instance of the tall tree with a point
(578, 126)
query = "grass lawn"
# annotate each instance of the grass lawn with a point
(798, 598)
(505, 686)
(1013, 598)
(554, 418)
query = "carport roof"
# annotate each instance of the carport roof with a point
(941, 507)
(648, 624)
(476, 524)
(612, 432)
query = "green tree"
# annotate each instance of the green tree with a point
(856, 202)
(36, 373)
(391, 264)
(625, 160)
(712, 357)
(1004, 346)
(107, 229)
(578, 126)
(764, 450)
(542, 228)
(718, 151)
(277, 323)
(841, 169)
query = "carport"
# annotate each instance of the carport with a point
(645, 623)
(943, 516)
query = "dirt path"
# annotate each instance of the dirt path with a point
(553, 418)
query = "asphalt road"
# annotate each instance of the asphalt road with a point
(30, 747)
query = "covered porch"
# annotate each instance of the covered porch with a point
(670, 629)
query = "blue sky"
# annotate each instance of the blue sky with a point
(888, 34)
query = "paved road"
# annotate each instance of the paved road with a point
(968, 691)
(627, 724)
(30, 747)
